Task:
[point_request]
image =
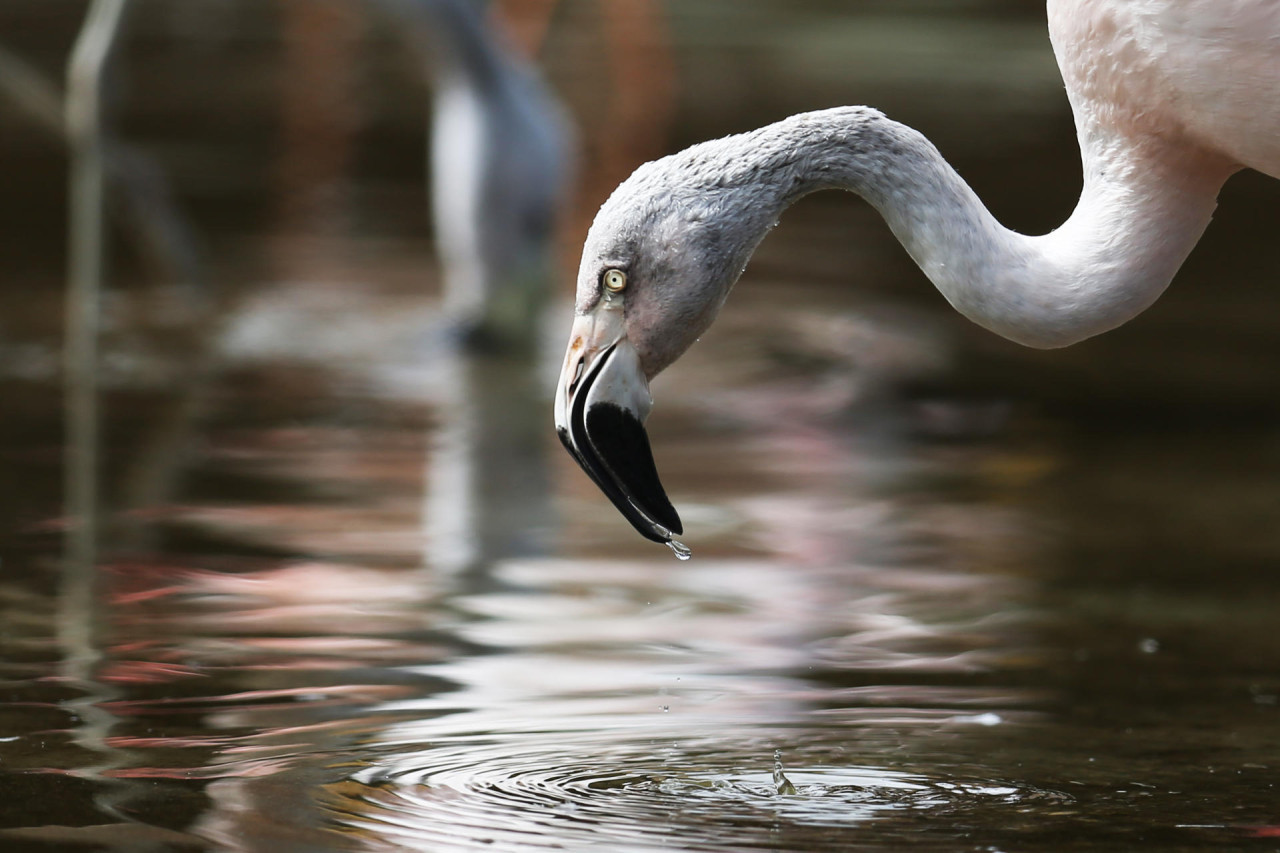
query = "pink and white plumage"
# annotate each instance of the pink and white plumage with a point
(1170, 97)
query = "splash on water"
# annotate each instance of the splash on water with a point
(780, 781)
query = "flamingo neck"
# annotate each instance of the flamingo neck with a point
(1139, 215)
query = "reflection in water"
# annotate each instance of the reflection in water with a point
(487, 476)
(615, 693)
(642, 702)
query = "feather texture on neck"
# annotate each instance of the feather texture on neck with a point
(1138, 217)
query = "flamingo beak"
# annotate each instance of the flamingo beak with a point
(602, 401)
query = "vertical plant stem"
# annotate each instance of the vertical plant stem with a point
(86, 261)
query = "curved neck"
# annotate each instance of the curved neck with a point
(1139, 215)
(461, 49)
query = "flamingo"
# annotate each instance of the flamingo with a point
(1170, 98)
(501, 151)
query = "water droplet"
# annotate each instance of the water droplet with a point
(681, 550)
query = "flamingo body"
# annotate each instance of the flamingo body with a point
(1200, 75)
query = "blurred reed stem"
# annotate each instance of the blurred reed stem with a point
(86, 261)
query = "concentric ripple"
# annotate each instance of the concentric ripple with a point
(504, 793)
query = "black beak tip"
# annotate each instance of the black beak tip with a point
(615, 454)
(619, 441)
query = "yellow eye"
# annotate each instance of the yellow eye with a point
(615, 281)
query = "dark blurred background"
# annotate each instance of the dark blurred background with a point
(290, 139)
(291, 135)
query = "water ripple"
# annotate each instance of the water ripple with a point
(638, 794)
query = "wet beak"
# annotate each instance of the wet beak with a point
(602, 400)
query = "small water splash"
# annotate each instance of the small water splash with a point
(681, 550)
(780, 781)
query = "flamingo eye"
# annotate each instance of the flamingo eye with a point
(615, 280)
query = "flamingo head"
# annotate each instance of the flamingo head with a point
(658, 262)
